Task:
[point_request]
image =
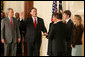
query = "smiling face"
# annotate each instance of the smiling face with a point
(34, 12)
(65, 16)
(76, 20)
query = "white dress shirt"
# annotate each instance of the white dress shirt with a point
(9, 19)
(34, 19)
(67, 20)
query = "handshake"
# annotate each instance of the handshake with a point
(45, 34)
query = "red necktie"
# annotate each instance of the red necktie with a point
(35, 24)
(11, 22)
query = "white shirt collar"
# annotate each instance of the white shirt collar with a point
(67, 20)
(9, 17)
(33, 18)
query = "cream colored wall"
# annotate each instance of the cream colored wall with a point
(18, 6)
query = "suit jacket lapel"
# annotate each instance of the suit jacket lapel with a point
(8, 22)
(13, 23)
(33, 22)
(69, 20)
(37, 22)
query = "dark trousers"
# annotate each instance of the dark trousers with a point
(59, 54)
(2, 48)
(19, 48)
(69, 49)
(33, 50)
(10, 49)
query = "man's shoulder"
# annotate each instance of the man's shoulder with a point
(39, 19)
(4, 19)
(70, 21)
(15, 19)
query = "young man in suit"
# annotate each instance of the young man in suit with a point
(34, 28)
(10, 34)
(58, 35)
(69, 22)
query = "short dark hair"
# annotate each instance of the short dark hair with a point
(54, 14)
(68, 12)
(32, 8)
(58, 15)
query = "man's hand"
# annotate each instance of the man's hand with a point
(21, 15)
(2, 40)
(45, 34)
(19, 40)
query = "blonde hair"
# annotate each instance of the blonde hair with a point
(78, 17)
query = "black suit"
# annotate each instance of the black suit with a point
(33, 36)
(49, 52)
(58, 35)
(19, 45)
(70, 30)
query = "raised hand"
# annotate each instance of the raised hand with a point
(19, 40)
(2, 40)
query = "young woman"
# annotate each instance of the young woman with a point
(76, 40)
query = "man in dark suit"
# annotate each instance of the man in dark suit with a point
(49, 51)
(58, 35)
(10, 33)
(2, 46)
(19, 45)
(34, 28)
(67, 15)
(2, 15)
(17, 16)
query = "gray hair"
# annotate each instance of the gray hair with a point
(8, 10)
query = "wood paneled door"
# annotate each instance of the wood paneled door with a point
(27, 6)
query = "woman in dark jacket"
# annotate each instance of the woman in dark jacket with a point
(76, 40)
